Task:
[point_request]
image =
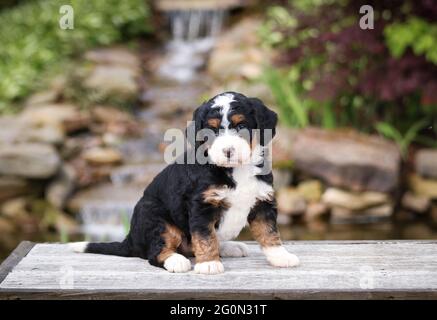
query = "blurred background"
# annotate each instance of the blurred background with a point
(83, 109)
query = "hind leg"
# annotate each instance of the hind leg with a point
(163, 251)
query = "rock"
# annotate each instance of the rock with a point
(108, 114)
(61, 187)
(426, 163)
(136, 174)
(105, 193)
(225, 63)
(353, 201)
(343, 215)
(311, 190)
(347, 159)
(13, 129)
(423, 187)
(171, 100)
(43, 97)
(112, 80)
(65, 116)
(65, 224)
(282, 147)
(315, 210)
(14, 208)
(141, 150)
(10, 129)
(284, 219)
(281, 178)
(30, 160)
(102, 156)
(115, 121)
(17, 213)
(6, 226)
(290, 201)
(46, 134)
(238, 53)
(382, 211)
(52, 217)
(73, 146)
(416, 203)
(87, 174)
(251, 71)
(114, 56)
(249, 88)
(11, 187)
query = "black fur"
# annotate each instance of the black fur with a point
(175, 195)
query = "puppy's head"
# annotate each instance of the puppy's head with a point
(239, 126)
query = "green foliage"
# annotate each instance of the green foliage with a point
(294, 110)
(64, 237)
(415, 33)
(330, 73)
(32, 41)
(125, 221)
(402, 140)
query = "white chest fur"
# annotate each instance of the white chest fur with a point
(247, 192)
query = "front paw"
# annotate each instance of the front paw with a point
(177, 263)
(209, 267)
(233, 249)
(280, 257)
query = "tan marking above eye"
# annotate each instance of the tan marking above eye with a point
(214, 122)
(237, 118)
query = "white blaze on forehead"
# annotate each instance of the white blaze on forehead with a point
(223, 101)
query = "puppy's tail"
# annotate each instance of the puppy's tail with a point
(110, 248)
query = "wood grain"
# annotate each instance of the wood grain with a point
(329, 269)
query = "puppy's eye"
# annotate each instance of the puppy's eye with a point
(214, 123)
(240, 126)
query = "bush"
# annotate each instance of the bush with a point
(332, 73)
(32, 41)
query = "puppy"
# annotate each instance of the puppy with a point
(195, 209)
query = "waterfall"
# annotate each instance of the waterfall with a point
(193, 33)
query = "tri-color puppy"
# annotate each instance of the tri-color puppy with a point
(195, 209)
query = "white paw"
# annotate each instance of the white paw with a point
(78, 246)
(233, 249)
(177, 263)
(209, 267)
(280, 257)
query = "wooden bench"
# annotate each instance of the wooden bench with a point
(329, 269)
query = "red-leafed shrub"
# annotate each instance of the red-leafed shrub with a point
(330, 72)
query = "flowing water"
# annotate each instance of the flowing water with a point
(193, 36)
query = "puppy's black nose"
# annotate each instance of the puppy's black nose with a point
(229, 152)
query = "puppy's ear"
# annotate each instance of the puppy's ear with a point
(197, 124)
(266, 119)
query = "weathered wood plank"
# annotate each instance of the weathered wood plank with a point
(15, 257)
(332, 269)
